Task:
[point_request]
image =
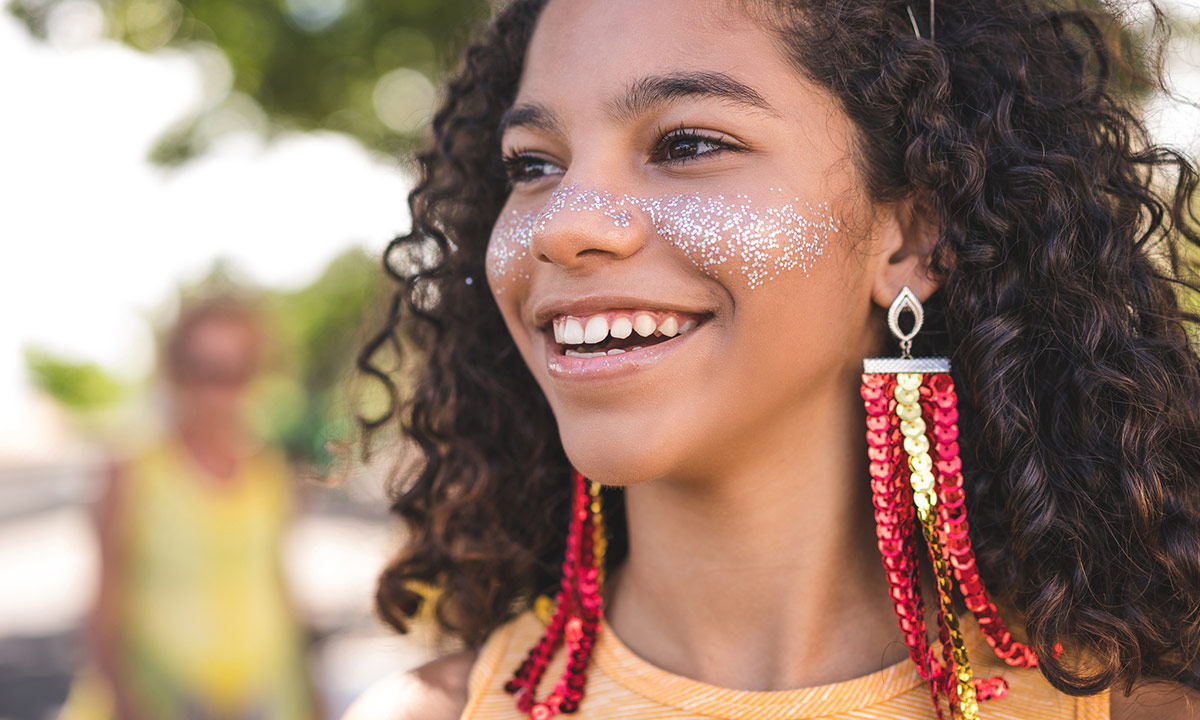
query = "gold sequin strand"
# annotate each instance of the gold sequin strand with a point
(544, 608)
(916, 446)
(968, 705)
(599, 539)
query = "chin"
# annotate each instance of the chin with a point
(607, 459)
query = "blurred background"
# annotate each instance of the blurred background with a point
(158, 157)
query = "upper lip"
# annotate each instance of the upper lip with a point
(548, 309)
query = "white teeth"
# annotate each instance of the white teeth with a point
(596, 330)
(615, 351)
(644, 324)
(621, 327)
(572, 332)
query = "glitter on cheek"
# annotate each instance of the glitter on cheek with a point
(508, 246)
(762, 241)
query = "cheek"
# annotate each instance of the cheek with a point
(507, 264)
(508, 256)
(738, 238)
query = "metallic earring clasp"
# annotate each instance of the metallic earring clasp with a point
(906, 300)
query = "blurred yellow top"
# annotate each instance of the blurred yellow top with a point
(204, 597)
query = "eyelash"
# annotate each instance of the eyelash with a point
(513, 160)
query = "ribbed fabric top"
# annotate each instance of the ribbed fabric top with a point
(621, 685)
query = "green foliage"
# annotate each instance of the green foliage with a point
(79, 386)
(362, 67)
(323, 323)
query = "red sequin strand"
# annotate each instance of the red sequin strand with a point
(896, 527)
(895, 524)
(576, 620)
(952, 521)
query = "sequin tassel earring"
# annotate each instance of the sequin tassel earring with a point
(577, 613)
(916, 487)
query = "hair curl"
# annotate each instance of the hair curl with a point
(1067, 239)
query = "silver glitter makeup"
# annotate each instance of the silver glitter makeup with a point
(760, 240)
(508, 245)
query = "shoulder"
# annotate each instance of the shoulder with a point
(1155, 700)
(436, 690)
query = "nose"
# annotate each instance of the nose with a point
(581, 225)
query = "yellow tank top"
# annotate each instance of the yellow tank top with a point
(621, 685)
(205, 610)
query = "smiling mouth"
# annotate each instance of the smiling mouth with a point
(592, 365)
(614, 346)
(617, 346)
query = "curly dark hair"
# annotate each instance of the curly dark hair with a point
(1067, 249)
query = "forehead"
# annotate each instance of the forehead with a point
(595, 48)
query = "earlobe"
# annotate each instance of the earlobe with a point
(907, 238)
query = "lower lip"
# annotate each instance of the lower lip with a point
(609, 367)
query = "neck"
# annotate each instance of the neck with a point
(768, 578)
(217, 448)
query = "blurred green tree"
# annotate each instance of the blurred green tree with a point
(366, 68)
(363, 67)
(324, 323)
(79, 386)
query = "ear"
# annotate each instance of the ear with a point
(906, 235)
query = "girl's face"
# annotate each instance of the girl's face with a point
(672, 171)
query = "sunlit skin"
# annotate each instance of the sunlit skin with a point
(753, 563)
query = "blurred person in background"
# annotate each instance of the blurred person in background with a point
(193, 618)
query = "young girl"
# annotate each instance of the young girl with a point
(656, 254)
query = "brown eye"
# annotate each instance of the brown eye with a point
(685, 145)
(525, 167)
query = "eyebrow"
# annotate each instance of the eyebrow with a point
(646, 94)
